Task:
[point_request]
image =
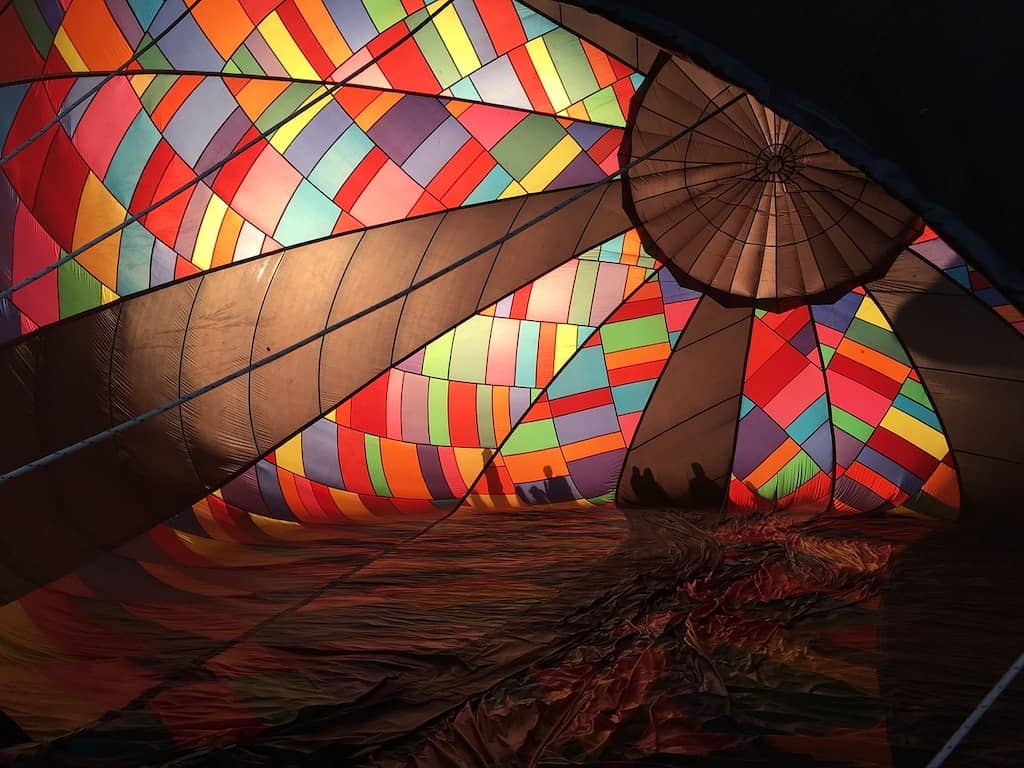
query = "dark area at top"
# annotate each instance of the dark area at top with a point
(921, 95)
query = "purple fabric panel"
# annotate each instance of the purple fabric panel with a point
(582, 170)
(597, 475)
(573, 427)
(320, 453)
(758, 436)
(404, 127)
(317, 137)
(430, 464)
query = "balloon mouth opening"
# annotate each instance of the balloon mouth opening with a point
(775, 163)
(748, 207)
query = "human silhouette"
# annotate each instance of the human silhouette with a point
(556, 488)
(647, 490)
(704, 493)
(538, 495)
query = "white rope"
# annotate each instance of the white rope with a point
(975, 716)
(153, 413)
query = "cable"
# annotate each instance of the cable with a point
(973, 718)
(329, 91)
(92, 91)
(153, 413)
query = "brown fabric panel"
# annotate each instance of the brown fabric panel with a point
(144, 375)
(582, 224)
(218, 342)
(47, 394)
(385, 261)
(54, 383)
(748, 206)
(442, 304)
(627, 46)
(692, 415)
(972, 363)
(283, 393)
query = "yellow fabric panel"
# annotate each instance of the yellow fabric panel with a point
(140, 83)
(206, 240)
(512, 190)
(914, 431)
(98, 213)
(286, 134)
(548, 74)
(289, 456)
(870, 313)
(285, 49)
(455, 39)
(351, 505)
(552, 164)
(565, 344)
(69, 52)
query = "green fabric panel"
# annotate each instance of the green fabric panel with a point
(915, 392)
(438, 356)
(469, 352)
(797, 471)
(877, 338)
(245, 62)
(76, 288)
(384, 13)
(230, 68)
(437, 412)
(154, 57)
(603, 107)
(583, 293)
(638, 332)
(531, 436)
(527, 143)
(35, 25)
(826, 354)
(156, 90)
(375, 465)
(571, 63)
(851, 424)
(485, 416)
(437, 56)
(284, 105)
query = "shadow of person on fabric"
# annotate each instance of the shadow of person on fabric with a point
(704, 492)
(556, 489)
(648, 491)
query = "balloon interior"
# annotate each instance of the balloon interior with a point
(474, 383)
